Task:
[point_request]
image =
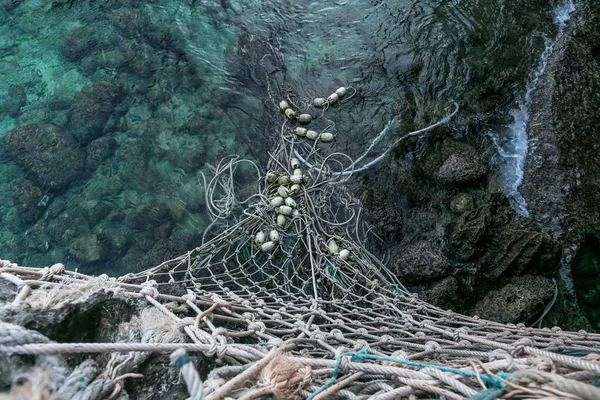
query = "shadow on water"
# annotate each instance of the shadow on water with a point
(110, 109)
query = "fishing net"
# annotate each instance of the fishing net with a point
(288, 302)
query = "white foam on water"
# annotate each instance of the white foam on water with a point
(513, 150)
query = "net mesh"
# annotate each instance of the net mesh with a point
(285, 295)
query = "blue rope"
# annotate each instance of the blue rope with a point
(330, 381)
(362, 355)
(489, 394)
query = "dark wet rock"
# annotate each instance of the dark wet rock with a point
(504, 242)
(460, 168)
(99, 150)
(561, 182)
(47, 153)
(78, 43)
(16, 99)
(521, 300)
(88, 248)
(562, 175)
(452, 161)
(29, 200)
(163, 249)
(461, 203)
(420, 262)
(93, 106)
(443, 293)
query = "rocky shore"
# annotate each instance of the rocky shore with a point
(455, 238)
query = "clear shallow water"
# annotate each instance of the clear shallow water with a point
(131, 99)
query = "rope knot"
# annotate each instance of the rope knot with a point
(558, 343)
(286, 379)
(257, 326)
(191, 296)
(386, 339)
(517, 349)
(48, 273)
(433, 347)
(149, 289)
(500, 354)
(457, 332)
(187, 321)
(343, 365)
(217, 299)
(398, 355)
(336, 334)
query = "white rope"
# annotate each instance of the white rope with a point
(189, 373)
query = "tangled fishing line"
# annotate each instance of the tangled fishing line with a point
(285, 296)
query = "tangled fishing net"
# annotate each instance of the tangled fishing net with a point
(287, 302)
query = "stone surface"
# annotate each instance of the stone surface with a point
(29, 200)
(421, 261)
(92, 108)
(443, 293)
(99, 150)
(461, 168)
(521, 300)
(88, 248)
(561, 182)
(504, 242)
(47, 153)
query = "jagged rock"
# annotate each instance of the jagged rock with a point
(29, 200)
(515, 244)
(451, 161)
(93, 106)
(462, 167)
(47, 153)
(443, 293)
(522, 300)
(501, 242)
(422, 261)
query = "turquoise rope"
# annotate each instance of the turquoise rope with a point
(360, 356)
(489, 394)
(364, 355)
(330, 381)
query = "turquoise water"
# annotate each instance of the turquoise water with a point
(110, 109)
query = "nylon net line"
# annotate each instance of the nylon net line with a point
(284, 300)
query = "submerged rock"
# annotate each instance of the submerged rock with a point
(88, 248)
(99, 150)
(16, 99)
(522, 300)
(50, 155)
(29, 200)
(78, 43)
(93, 107)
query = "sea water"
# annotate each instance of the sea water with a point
(135, 99)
